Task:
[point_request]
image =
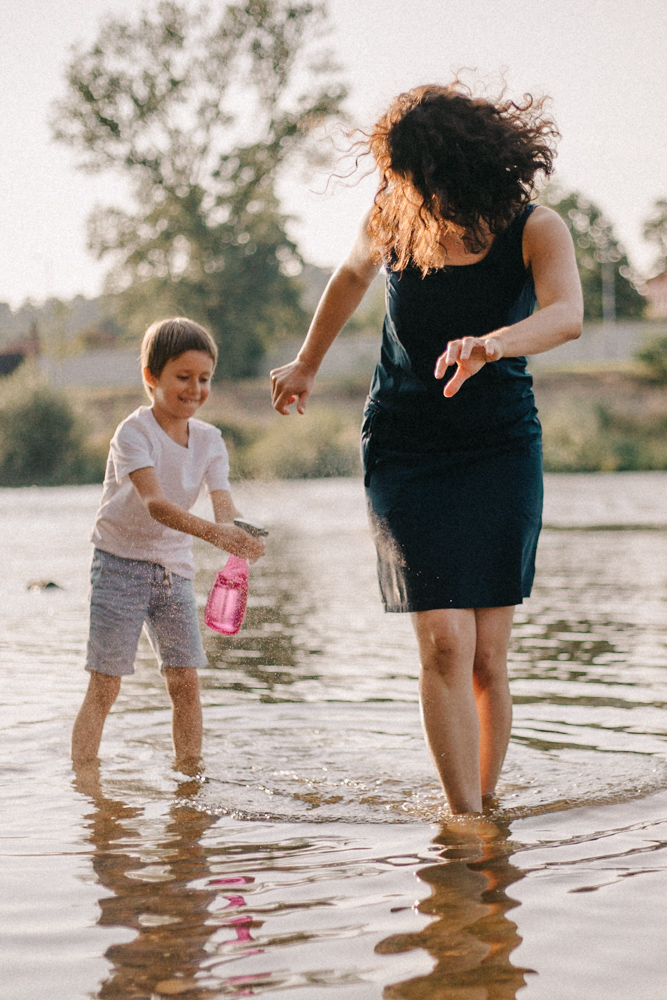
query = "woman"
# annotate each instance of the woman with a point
(454, 476)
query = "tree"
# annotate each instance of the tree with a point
(655, 231)
(606, 275)
(200, 112)
(652, 358)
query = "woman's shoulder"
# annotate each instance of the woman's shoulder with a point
(542, 217)
(542, 225)
(532, 227)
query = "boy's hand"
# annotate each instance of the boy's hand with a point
(237, 541)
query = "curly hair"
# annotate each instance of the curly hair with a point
(453, 164)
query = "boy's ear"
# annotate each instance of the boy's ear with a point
(149, 378)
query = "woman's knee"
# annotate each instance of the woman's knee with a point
(490, 668)
(446, 643)
(494, 627)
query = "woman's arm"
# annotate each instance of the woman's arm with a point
(549, 252)
(293, 383)
(227, 536)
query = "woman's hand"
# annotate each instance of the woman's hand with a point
(292, 383)
(469, 355)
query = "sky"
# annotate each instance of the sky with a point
(601, 61)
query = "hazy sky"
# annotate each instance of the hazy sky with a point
(602, 61)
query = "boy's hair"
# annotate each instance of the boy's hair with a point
(169, 338)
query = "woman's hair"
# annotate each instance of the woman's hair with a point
(451, 163)
(169, 338)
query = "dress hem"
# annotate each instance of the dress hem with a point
(440, 606)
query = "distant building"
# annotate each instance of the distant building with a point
(656, 295)
(15, 354)
(10, 361)
(113, 369)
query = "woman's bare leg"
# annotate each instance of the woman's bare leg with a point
(465, 698)
(87, 734)
(183, 688)
(447, 640)
(492, 693)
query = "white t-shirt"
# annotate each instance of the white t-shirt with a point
(123, 526)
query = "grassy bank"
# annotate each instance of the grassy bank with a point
(262, 444)
(594, 419)
(609, 419)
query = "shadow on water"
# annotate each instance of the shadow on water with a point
(470, 937)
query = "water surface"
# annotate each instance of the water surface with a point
(313, 855)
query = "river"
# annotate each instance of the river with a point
(313, 855)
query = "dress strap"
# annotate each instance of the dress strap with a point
(511, 238)
(518, 223)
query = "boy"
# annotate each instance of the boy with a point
(142, 568)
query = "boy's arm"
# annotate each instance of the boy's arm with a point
(225, 536)
(224, 508)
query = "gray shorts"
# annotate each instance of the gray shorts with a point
(130, 593)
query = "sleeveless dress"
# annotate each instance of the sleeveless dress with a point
(454, 486)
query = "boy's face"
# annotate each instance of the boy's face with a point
(182, 386)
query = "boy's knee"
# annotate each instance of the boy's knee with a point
(103, 688)
(182, 682)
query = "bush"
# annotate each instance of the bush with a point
(238, 434)
(653, 360)
(40, 441)
(603, 440)
(315, 446)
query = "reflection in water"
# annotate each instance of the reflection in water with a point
(162, 888)
(471, 938)
(263, 658)
(313, 737)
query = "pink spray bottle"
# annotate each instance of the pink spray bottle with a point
(225, 608)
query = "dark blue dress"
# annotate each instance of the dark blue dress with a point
(454, 486)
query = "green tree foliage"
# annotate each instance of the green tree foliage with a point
(200, 111)
(655, 231)
(41, 443)
(597, 250)
(603, 439)
(653, 360)
(324, 445)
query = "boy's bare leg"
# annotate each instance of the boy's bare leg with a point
(100, 696)
(183, 688)
(492, 692)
